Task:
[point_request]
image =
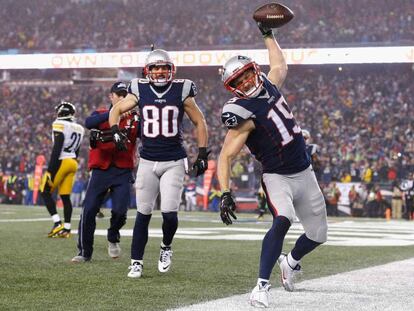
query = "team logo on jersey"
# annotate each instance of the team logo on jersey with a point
(230, 122)
(193, 86)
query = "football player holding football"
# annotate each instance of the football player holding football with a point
(60, 174)
(259, 117)
(162, 102)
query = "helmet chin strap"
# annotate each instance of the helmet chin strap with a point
(255, 93)
(158, 82)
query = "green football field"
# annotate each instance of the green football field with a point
(210, 260)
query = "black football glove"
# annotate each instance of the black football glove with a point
(227, 206)
(201, 164)
(119, 138)
(266, 31)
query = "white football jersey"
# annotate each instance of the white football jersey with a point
(73, 133)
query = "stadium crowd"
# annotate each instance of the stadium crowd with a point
(135, 24)
(360, 117)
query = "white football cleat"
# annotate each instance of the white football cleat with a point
(164, 263)
(260, 296)
(135, 270)
(80, 259)
(287, 273)
(114, 250)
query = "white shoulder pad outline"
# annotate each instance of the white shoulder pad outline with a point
(133, 87)
(187, 85)
(238, 110)
(143, 80)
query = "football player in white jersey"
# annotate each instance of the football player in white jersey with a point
(60, 174)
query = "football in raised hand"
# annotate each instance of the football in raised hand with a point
(273, 15)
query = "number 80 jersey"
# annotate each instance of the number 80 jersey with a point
(161, 115)
(277, 141)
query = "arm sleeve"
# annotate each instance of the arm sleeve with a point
(95, 119)
(58, 139)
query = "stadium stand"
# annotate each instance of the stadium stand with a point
(358, 120)
(84, 24)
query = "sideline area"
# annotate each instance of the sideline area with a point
(385, 287)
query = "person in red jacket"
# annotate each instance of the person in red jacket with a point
(111, 170)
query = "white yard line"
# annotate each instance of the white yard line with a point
(345, 233)
(386, 287)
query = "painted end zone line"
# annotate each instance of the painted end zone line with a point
(386, 287)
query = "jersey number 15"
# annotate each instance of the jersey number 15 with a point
(280, 125)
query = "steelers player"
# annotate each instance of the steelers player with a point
(60, 174)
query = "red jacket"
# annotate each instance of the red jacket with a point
(106, 154)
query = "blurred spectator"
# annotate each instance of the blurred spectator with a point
(78, 188)
(35, 25)
(333, 194)
(262, 203)
(372, 204)
(214, 198)
(378, 141)
(409, 201)
(397, 202)
(190, 195)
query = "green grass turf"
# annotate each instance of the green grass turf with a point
(36, 273)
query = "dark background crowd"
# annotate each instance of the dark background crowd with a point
(360, 115)
(67, 25)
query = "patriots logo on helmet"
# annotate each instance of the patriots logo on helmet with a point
(194, 88)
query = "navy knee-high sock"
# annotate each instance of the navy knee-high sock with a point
(169, 227)
(303, 246)
(272, 246)
(140, 236)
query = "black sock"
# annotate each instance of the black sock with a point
(272, 246)
(140, 236)
(50, 203)
(303, 246)
(67, 208)
(169, 227)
